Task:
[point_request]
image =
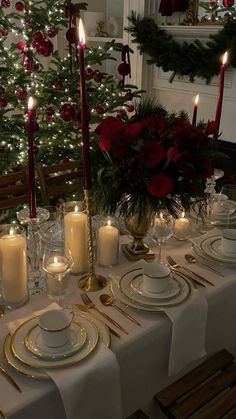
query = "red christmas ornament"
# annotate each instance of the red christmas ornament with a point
(72, 35)
(2, 90)
(22, 95)
(3, 103)
(52, 32)
(97, 76)
(213, 3)
(77, 125)
(21, 45)
(49, 113)
(37, 36)
(3, 32)
(99, 110)
(57, 85)
(121, 113)
(124, 69)
(44, 47)
(67, 112)
(228, 3)
(89, 73)
(129, 95)
(29, 25)
(5, 3)
(130, 108)
(20, 6)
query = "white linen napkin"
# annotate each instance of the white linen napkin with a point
(91, 388)
(198, 240)
(188, 328)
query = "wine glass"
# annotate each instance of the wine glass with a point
(57, 266)
(161, 230)
(228, 207)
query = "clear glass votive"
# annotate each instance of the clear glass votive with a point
(182, 227)
(76, 234)
(107, 242)
(13, 266)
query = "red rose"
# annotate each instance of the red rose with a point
(110, 127)
(155, 123)
(151, 154)
(207, 164)
(211, 127)
(104, 144)
(173, 154)
(161, 185)
(134, 129)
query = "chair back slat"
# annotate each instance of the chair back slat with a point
(13, 190)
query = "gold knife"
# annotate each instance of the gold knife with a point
(10, 379)
(86, 310)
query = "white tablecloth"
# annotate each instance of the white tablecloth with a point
(143, 355)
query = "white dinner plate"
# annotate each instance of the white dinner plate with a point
(32, 372)
(218, 218)
(19, 350)
(137, 286)
(34, 342)
(208, 247)
(121, 291)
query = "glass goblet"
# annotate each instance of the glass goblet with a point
(57, 266)
(161, 230)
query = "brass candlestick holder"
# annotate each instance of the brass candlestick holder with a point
(90, 282)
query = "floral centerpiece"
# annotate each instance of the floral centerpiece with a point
(153, 161)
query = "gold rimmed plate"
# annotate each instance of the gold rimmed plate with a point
(207, 247)
(34, 342)
(117, 288)
(22, 354)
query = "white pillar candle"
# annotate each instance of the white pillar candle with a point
(108, 244)
(182, 227)
(56, 282)
(13, 267)
(76, 239)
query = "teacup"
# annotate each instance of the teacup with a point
(155, 277)
(55, 327)
(229, 240)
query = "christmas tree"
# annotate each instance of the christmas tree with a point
(31, 65)
(218, 11)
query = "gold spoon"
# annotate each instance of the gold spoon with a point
(107, 300)
(191, 259)
(86, 310)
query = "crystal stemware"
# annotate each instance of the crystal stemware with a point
(161, 230)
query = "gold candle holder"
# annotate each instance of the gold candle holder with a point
(90, 282)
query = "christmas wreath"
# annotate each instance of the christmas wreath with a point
(192, 59)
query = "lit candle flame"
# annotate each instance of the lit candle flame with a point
(55, 260)
(11, 231)
(161, 215)
(183, 214)
(196, 99)
(225, 58)
(81, 33)
(109, 222)
(76, 208)
(30, 103)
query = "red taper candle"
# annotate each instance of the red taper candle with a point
(30, 126)
(195, 109)
(220, 93)
(84, 111)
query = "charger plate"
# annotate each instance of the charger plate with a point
(31, 372)
(137, 286)
(120, 287)
(34, 342)
(211, 250)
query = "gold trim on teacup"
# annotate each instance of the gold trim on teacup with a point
(156, 277)
(57, 330)
(52, 365)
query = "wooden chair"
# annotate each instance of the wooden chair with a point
(139, 414)
(207, 392)
(13, 190)
(59, 179)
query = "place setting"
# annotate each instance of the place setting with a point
(53, 340)
(217, 246)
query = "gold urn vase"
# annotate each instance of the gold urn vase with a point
(138, 227)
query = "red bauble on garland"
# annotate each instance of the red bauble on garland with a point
(52, 32)
(124, 69)
(44, 47)
(97, 76)
(57, 85)
(129, 95)
(228, 3)
(22, 95)
(99, 110)
(72, 35)
(49, 113)
(21, 45)
(67, 112)
(20, 6)
(3, 32)
(2, 90)
(3, 103)
(5, 3)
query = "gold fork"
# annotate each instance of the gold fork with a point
(175, 265)
(90, 305)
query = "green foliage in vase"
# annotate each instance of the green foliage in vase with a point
(31, 65)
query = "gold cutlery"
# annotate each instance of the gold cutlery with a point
(191, 259)
(107, 300)
(10, 379)
(85, 309)
(90, 304)
(194, 281)
(176, 265)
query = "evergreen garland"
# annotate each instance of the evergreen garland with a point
(192, 59)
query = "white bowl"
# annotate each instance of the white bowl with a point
(55, 327)
(229, 240)
(155, 277)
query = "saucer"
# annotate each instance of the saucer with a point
(210, 246)
(172, 289)
(35, 344)
(216, 246)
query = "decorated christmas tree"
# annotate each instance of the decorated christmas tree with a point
(31, 65)
(218, 11)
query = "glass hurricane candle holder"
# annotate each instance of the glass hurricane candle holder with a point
(107, 243)
(13, 265)
(57, 266)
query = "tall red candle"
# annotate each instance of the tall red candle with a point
(195, 109)
(30, 125)
(84, 111)
(220, 93)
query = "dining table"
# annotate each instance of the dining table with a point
(114, 382)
